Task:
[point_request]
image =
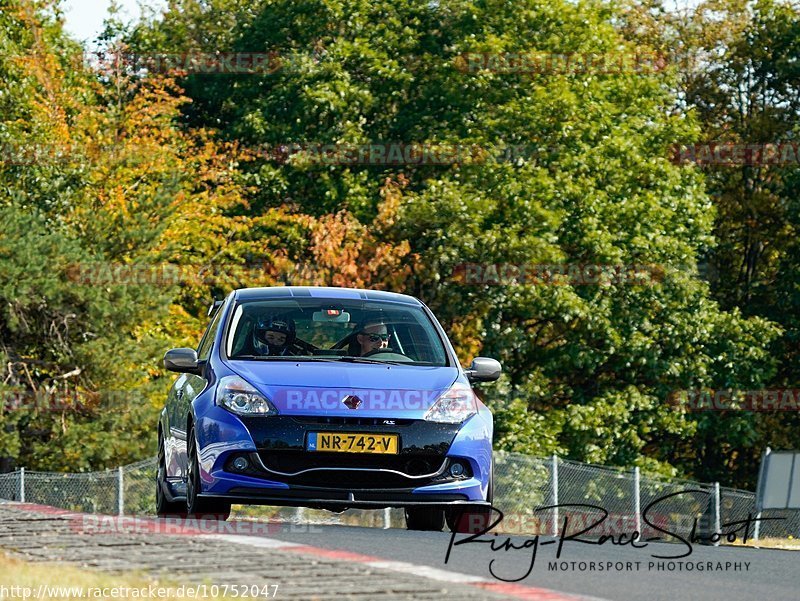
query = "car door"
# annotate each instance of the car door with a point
(183, 392)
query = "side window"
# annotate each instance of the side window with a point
(204, 350)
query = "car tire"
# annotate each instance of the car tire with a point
(196, 506)
(468, 519)
(425, 518)
(165, 508)
(471, 519)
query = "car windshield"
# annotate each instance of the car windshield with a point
(316, 329)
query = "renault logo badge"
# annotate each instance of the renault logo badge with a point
(351, 401)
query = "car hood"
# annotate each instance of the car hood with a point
(323, 388)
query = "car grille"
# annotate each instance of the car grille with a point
(353, 480)
(416, 465)
(353, 421)
(352, 470)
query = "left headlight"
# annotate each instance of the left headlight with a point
(239, 396)
(454, 406)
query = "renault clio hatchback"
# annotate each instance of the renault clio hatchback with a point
(327, 398)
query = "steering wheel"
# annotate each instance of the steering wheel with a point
(378, 351)
(393, 354)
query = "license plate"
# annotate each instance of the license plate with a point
(342, 442)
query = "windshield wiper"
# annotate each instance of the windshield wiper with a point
(280, 358)
(368, 360)
(327, 359)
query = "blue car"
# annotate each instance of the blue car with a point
(330, 398)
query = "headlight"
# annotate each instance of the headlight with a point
(236, 395)
(454, 406)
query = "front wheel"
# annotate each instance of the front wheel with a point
(469, 519)
(424, 518)
(196, 506)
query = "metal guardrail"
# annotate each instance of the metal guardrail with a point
(523, 486)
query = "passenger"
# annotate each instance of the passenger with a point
(274, 337)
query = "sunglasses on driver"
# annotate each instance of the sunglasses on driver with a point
(376, 337)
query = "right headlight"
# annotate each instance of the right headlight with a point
(454, 406)
(239, 396)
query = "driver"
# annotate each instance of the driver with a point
(372, 337)
(273, 336)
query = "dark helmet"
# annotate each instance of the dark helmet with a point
(282, 325)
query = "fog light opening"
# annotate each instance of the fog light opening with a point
(456, 470)
(240, 464)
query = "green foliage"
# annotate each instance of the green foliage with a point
(72, 349)
(738, 75)
(61, 341)
(588, 368)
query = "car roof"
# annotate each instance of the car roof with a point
(323, 292)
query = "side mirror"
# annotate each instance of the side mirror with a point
(484, 369)
(181, 360)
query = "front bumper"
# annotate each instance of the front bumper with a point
(325, 498)
(281, 472)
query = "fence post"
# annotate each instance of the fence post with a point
(760, 492)
(22, 485)
(121, 489)
(637, 500)
(757, 530)
(716, 511)
(554, 491)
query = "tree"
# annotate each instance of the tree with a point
(589, 366)
(737, 74)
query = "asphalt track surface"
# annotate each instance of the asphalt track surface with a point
(370, 563)
(770, 574)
